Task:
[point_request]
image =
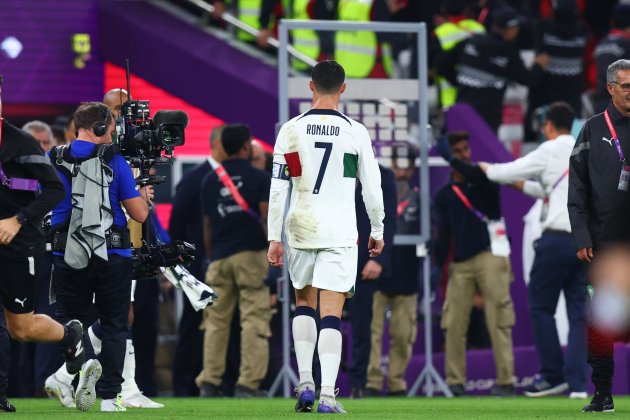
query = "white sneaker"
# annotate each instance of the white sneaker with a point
(137, 400)
(60, 390)
(86, 389)
(578, 395)
(114, 404)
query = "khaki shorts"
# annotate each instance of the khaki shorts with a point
(332, 269)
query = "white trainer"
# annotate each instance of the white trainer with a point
(575, 395)
(113, 404)
(138, 400)
(86, 389)
(60, 390)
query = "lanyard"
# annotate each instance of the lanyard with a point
(22, 184)
(555, 185)
(236, 195)
(614, 137)
(467, 203)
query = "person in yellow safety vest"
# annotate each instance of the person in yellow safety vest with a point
(247, 11)
(362, 53)
(306, 41)
(454, 30)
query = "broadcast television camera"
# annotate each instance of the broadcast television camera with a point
(146, 142)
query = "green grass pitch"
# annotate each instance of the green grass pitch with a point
(376, 408)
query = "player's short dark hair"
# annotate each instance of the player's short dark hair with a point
(233, 137)
(455, 137)
(1, 80)
(90, 113)
(328, 76)
(621, 16)
(561, 115)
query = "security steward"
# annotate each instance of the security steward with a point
(482, 66)
(234, 202)
(92, 247)
(599, 202)
(29, 188)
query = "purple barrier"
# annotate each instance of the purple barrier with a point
(201, 69)
(486, 147)
(37, 58)
(481, 372)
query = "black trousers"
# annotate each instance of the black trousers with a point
(109, 282)
(48, 358)
(188, 360)
(361, 318)
(145, 332)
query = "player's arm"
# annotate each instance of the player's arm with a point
(278, 193)
(370, 178)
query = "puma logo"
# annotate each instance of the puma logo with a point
(608, 140)
(21, 302)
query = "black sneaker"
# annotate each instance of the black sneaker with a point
(209, 390)
(6, 406)
(542, 388)
(601, 403)
(74, 353)
(244, 392)
(502, 391)
(356, 393)
(457, 390)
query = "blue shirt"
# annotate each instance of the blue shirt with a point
(122, 187)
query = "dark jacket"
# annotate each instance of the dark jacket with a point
(597, 209)
(186, 222)
(482, 67)
(456, 224)
(563, 78)
(21, 157)
(405, 263)
(388, 185)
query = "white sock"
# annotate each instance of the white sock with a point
(329, 349)
(63, 376)
(97, 343)
(304, 340)
(129, 369)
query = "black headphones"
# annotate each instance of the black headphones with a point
(100, 127)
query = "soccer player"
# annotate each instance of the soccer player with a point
(320, 154)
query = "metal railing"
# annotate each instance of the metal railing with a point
(238, 24)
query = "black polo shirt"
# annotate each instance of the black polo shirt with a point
(233, 229)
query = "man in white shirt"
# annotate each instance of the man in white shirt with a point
(320, 154)
(555, 266)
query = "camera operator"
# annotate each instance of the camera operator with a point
(24, 170)
(59, 384)
(92, 246)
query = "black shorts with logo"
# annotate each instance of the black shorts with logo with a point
(17, 283)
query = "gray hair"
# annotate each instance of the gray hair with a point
(38, 126)
(215, 134)
(611, 74)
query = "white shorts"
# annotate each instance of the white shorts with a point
(332, 269)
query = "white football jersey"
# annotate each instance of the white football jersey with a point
(323, 152)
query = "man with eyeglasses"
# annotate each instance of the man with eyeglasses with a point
(599, 202)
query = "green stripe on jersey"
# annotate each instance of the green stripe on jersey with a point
(350, 165)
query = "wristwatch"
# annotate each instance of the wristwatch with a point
(21, 218)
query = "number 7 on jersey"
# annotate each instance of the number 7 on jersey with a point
(322, 169)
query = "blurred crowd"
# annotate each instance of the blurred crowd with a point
(572, 41)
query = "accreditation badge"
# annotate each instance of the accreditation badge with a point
(624, 178)
(499, 243)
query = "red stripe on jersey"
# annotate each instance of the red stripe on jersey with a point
(293, 162)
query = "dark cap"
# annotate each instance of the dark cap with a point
(233, 137)
(506, 17)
